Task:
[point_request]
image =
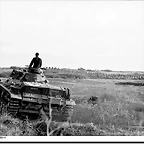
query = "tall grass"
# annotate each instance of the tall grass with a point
(87, 120)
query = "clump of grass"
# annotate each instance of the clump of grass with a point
(10, 126)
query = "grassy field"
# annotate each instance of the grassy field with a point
(114, 100)
(115, 114)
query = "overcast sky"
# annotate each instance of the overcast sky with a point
(73, 34)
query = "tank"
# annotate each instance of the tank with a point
(27, 91)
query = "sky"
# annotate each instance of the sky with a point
(73, 34)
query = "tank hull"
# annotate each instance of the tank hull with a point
(32, 104)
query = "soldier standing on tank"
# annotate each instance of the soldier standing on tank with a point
(36, 62)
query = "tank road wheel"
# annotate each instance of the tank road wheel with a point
(3, 107)
(3, 104)
(13, 108)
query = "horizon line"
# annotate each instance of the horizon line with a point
(79, 68)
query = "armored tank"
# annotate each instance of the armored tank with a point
(27, 91)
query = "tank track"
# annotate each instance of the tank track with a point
(6, 105)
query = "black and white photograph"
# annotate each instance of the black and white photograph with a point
(72, 68)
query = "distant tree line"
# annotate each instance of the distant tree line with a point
(83, 73)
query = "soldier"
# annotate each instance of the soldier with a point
(36, 62)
